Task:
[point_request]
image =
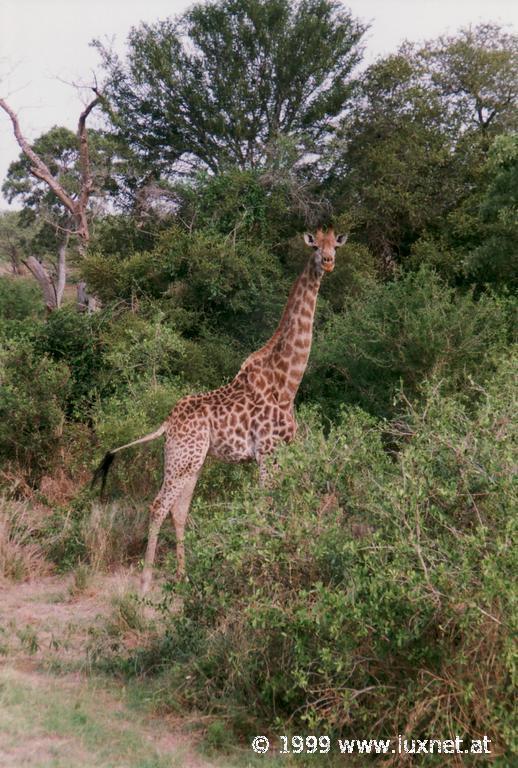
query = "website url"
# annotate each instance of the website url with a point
(310, 745)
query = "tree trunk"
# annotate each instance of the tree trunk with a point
(61, 270)
(46, 283)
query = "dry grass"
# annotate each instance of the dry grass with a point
(21, 557)
(59, 488)
(113, 535)
(106, 537)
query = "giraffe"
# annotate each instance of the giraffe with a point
(243, 420)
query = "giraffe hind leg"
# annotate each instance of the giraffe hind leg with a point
(183, 462)
(158, 513)
(168, 500)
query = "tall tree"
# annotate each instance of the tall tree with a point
(76, 201)
(414, 143)
(475, 72)
(221, 83)
(391, 162)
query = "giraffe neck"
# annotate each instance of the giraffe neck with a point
(286, 354)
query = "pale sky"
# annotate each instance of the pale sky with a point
(44, 46)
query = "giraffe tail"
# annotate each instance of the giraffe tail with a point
(102, 470)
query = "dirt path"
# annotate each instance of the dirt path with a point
(53, 712)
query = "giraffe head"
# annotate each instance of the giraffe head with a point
(325, 244)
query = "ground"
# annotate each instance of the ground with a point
(54, 711)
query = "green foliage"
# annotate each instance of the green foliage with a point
(409, 157)
(478, 241)
(363, 591)
(475, 72)
(211, 358)
(120, 235)
(199, 276)
(33, 394)
(135, 275)
(136, 347)
(126, 416)
(58, 148)
(267, 205)
(403, 332)
(393, 163)
(223, 80)
(19, 300)
(73, 338)
(495, 260)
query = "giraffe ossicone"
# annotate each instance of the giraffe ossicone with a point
(244, 420)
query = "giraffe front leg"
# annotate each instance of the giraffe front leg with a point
(184, 459)
(265, 471)
(179, 514)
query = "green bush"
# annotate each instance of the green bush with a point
(136, 347)
(198, 277)
(126, 416)
(33, 395)
(403, 332)
(267, 205)
(20, 299)
(366, 592)
(115, 277)
(73, 338)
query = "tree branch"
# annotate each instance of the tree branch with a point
(86, 174)
(39, 168)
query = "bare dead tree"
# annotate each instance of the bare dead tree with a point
(45, 280)
(53, 286)
(86, 173)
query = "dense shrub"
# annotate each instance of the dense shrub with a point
(73, 338)
(20, 299)
(33, 395)
(365, 592)
(403, 331)
(137, 347)
(269, 205)
(124, 277)
(127, 416)
(198, 276)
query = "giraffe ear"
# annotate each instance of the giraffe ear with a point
(309, 239)
(341, 240)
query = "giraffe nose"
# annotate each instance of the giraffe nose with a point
(328, 264)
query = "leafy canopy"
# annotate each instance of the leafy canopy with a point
(220, 83)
